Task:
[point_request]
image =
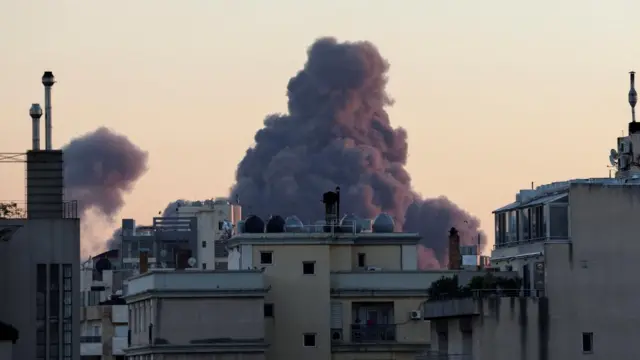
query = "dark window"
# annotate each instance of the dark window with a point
(308, 268)
(204, 244)
(220, 225)
(67, 312)
(41, 301)
(268, 310)
(222, 265)
(309, 340)
(266, 257)
(587, 342)
(204, 266)
(362, 260)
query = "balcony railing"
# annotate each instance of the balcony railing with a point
(361, 333)
(435, 355)
(90, 339)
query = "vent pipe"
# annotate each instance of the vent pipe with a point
(455, 258)
(48, 80)
(36, 113)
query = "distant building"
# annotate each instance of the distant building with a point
(574, 245)
(104, 330)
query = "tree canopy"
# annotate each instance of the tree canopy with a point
(449, 288)
(11, 210)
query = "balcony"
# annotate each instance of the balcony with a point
(363, 333)
(383, 283)
(118, 344)
(450, 308)
(90, 345)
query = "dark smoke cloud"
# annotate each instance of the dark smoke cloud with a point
(100, 167)
(337, 132)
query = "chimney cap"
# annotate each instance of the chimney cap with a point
(48, 79)
(35, 111)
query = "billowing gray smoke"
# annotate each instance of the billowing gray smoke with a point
(337, 132)
(100, 167)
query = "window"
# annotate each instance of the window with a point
(309, 340)
(266, 257)
(204, 243)
(587, 342)
(309, 267)
(362, 257)
(268, 310)
(204, 266)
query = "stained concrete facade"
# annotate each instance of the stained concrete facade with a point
(351, 272)
(39, 283)
(197, 314)
(586, 305)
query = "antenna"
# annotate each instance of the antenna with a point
(613, 157)
(633, 95)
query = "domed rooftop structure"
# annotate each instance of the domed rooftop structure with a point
(383, 223)
(293, 224)
(275, 224)
(351, 223)
(253, 225)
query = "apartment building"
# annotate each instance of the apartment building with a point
(348, 289)
(104, 330)
(574, 246)
(197, 314)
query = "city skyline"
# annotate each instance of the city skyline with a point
(179, 93)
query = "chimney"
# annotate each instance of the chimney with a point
(634, 127)
(36, 113)
(47, 80)
(144, 262)
(455, 260)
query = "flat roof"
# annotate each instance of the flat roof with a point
(196, 283)
(304, 238)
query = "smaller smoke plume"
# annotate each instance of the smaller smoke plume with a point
(100, 167)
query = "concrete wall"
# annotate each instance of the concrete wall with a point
(301, 302)
(41, 241)
(203, 357)
(387, 257)
(6, 348)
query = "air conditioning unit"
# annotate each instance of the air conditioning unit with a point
(336, 335)
(416, 315)
(373, 268)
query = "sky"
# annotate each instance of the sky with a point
(494, 94)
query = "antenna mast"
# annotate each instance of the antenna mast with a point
(633, 100)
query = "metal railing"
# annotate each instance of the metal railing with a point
(373, 333)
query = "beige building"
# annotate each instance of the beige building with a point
(577, 269)
(339, 295)
(104, 331)
(197, 315)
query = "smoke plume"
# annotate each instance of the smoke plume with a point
(337, 132)
(100, 168)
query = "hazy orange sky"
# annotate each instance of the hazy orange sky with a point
(494, 94)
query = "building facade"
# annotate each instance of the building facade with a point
(336, 293)
(104, 330)
(197, 314)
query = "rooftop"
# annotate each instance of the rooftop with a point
(196, 283)
(324, 238)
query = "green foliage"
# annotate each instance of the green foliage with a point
(479, 286)
(11, 211)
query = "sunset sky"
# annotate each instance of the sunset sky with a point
(494, 94)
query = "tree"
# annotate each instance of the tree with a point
(11, 211)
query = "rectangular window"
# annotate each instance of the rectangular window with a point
(309, 340)
(587, 342)
(41, 311)
(204, 266)
(266, 258)
(309, 267)
(54, 311)
(268, 310)
(221, 265)
(67, 312)
(204, 244)
(362, 257)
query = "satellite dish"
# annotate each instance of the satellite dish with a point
(192, 261)
(613, 157)
(163, 253)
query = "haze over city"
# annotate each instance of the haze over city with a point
(492, 96)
